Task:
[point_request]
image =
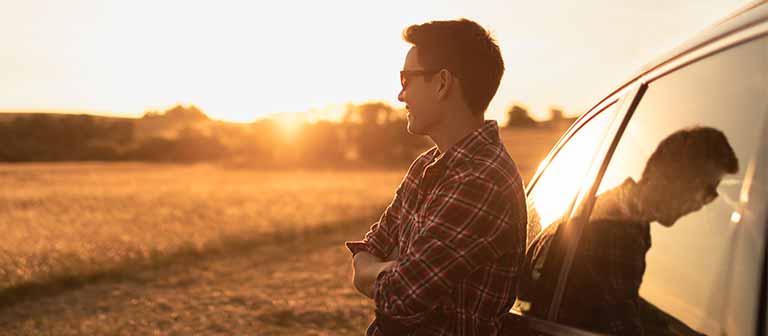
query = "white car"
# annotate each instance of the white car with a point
(629, 245)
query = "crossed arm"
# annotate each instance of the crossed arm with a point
(467, 225)
(366, 265)
(366, 268)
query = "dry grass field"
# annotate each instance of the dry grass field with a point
(90, 248)
(65, 219)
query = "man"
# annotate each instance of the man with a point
(680, 177)
(444, 256)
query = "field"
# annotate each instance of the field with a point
(86, 218)
(92, 248)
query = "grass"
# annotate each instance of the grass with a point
(75, 220)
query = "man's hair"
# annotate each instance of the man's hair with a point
(465, 49)
(691, 150)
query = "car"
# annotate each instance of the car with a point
(649, 214)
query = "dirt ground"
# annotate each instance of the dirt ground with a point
(299, 288)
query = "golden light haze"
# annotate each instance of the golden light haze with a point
(239, 60)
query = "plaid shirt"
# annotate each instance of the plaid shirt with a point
(607, 270)
(605, 277)
(459, 224)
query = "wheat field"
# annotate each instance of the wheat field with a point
(79, 219)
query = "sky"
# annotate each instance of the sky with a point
(242, 60)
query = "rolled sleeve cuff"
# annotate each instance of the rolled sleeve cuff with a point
(390, 326)
(357, 246)
(385, 320)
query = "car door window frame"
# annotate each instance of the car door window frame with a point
(571, 131)
(622, 99)
(582, 206)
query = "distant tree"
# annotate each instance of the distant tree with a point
(255, 144)
(47, 137)
(178, 113)
(193, 145)
(555, 114)
(376, 133)
(120, 131)
(153, 149)
(370, 113)
(190, 146)
(151, 114)
(320, 144)
(191, 113)
(518, 116)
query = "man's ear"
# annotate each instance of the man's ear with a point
(447, 81)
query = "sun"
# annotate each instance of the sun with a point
(290, 124)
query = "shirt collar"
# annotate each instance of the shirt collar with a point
(618, 203)
(469, 145)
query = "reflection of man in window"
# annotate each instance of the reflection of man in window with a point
(680, 177)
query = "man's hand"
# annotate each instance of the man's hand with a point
(366, 268)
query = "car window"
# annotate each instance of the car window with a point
(557, 186)
(549, 200)
(656, 254)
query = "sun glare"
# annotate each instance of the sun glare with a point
(289, 124)
(555, 193)
(556, 188)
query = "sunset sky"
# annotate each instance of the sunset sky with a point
(239, 60)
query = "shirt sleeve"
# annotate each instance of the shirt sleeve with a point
(383, 235)
(467, 224)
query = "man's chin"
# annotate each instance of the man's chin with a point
(667, 222)
(412, 129)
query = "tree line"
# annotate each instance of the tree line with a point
(372, 133)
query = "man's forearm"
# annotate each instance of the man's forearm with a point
(366, 268)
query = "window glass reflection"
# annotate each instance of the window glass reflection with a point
(557, 187)
(657, 251)
(551, 197)
(680, 177)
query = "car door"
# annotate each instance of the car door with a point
(554, 189)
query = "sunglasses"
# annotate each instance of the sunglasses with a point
(405, 75)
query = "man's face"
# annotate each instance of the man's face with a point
(418, 94)
(686, 195)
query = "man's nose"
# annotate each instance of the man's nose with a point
(401, 96)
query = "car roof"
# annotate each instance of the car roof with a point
(748, 15)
